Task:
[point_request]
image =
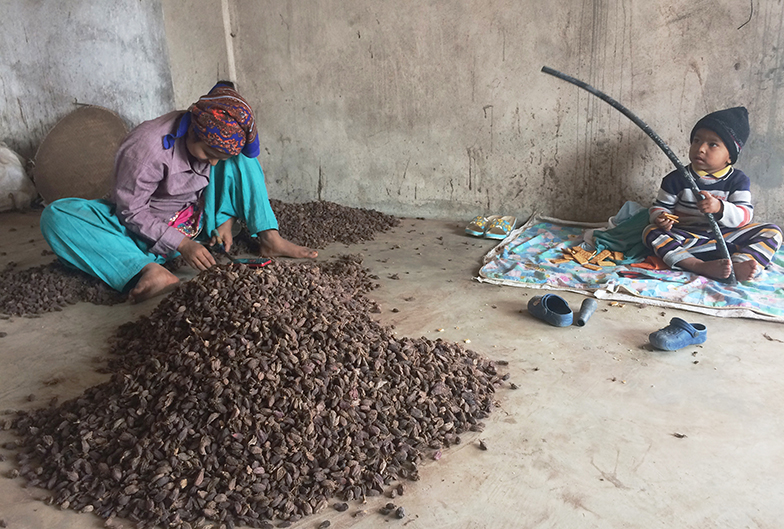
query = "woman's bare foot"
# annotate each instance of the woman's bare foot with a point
(155, 280)
(716, 269)
(745, 270)
(273, 245)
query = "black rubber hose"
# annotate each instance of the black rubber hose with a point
(720, 242)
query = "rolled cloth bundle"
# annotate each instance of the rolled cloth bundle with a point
(224, 120)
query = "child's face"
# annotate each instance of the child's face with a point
(707, 152)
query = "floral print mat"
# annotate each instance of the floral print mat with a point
(525, 258)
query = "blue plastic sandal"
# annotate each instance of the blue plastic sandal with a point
(586, 311)
(678, 334)
(552, 309)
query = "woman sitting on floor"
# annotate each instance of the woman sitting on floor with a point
(178, 178)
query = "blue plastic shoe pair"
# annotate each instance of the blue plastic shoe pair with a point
(555, 310)
(678, 334)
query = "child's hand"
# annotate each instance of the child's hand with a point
(196, 255)
(709, 204)
(663, 222)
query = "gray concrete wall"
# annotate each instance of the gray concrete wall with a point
(55, 54)
(197, 43)
(433, 109)
(439, 109)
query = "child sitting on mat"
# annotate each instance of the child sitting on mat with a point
(178, 179)
(680, 234)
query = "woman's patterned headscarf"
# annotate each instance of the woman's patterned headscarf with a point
(224, 120)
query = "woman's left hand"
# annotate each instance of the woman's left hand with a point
(224, 235)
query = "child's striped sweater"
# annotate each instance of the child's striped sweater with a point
(730, 185)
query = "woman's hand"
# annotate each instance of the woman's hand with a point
(224, 235)
(196, 255)
(709, 203)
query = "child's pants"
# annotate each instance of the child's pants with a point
(88, 235)
(752, 241)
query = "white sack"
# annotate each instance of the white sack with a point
(16, 189)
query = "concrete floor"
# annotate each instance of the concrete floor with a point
(588, 439)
